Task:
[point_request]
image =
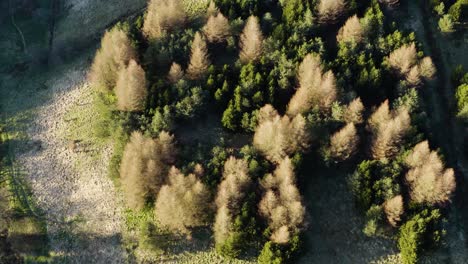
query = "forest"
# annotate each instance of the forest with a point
(240, 127)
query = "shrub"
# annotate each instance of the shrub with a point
(251, 41)
(115, 53)
(131, 88)
(462, 99)
(270, 254)
(182, 203)
(144, 167)
(373, 220)
(427, 178)
(361, 183)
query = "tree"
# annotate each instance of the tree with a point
(251, 41)
(231, 193)
(393, 209)
(352, 31)
(417, 232)
(277, 137)
(270, 254)
(292, 10)
(183, 203)
(388, 129)
(405, 62)
(446, 24)
(163, 16)
(331, 10)
(144, 166)
(281, 204)
(315, 89)
(212, 10)
(344, 143)
(199, 61)
(131, 88)
(115, 53)
(427, 68)
(217, 28)
(428, 180)
(403, 58)
(353, 112)
(175, 73)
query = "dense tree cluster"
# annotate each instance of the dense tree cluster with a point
(281, 204)
(144, 167)
(232, 194)
(115, 53)
(277, 137)
(388, 129)
(183, 202)
(428, 180)
(282, 97)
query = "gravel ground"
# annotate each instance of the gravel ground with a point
(83, 210)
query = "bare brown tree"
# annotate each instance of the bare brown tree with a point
(217, 28)
(115, 53)
(175, 73)
(281, 204)
(388, 129)
(163, 16)
(277, 137)
(352, 31)
(251, 41)
(331, 10)
(231, 193)
(212, 10)
(199, 61)
(427, 68)
(403, 59)
(393, 209)
(353, 112)
(428, 179)
(344, 143)
(144, 166)
(315, 89)
(183, 203)
(131, 88)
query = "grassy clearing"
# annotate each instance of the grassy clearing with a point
(27, 231)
